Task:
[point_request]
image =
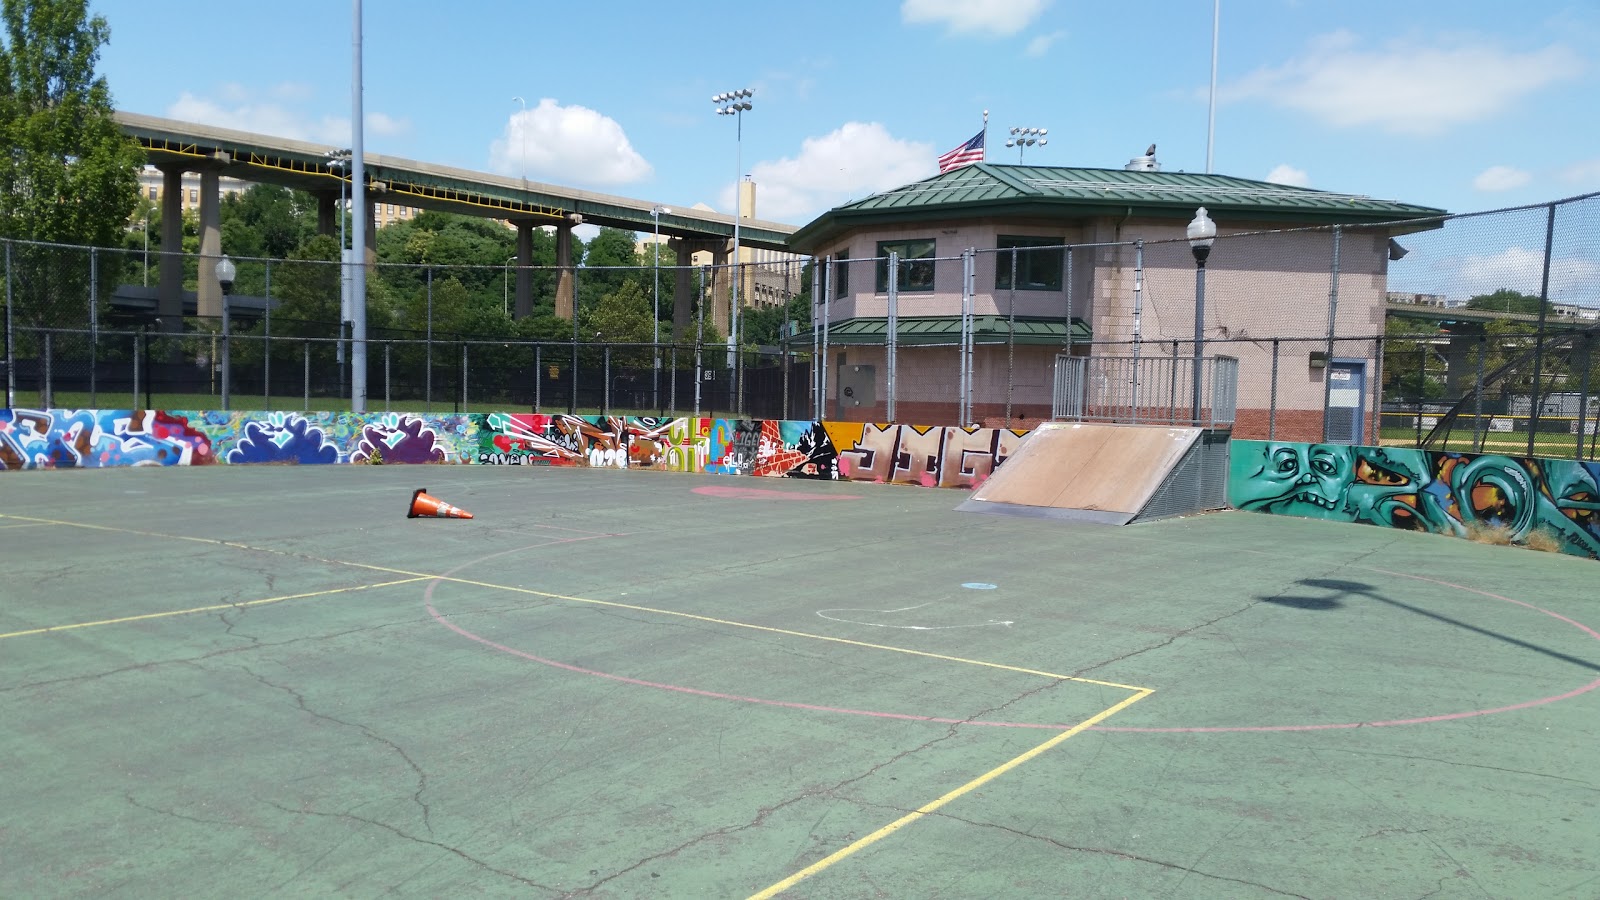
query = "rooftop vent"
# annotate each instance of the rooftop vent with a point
(1145, 163)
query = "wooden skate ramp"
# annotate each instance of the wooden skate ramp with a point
(1084, 471)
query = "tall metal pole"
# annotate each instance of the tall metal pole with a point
(1333, 324)
(358, 229)
(11, 359)
(1211, 115)
(1538, 347)
(1199, 331)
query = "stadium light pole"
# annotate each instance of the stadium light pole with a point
(655, 301)
(736, 104)
(1201, 232)
(1022, 138)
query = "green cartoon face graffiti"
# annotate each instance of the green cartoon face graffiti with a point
(1571, 505)
(1300, 480)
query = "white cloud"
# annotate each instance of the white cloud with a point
(272, 111)
(857, 159)
(1000, 18)
(1405, 88)
(567, 145)
(1501, 178)
(1287, 174)
(1040, 45)
(243, 112)
(1519, 269)
(1585, 174)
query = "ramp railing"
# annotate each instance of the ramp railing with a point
(1148, 390)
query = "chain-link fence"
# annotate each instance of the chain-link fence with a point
(1471, 331)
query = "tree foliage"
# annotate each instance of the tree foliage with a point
(72, 175)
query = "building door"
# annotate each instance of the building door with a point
(1347, 401)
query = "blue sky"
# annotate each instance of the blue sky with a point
(1461, 104)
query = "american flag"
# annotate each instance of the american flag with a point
(966, 154)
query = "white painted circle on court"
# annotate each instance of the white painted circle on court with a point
(980, 586)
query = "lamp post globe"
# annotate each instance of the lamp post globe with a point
(1201, 233)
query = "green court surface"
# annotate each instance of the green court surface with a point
(268, 682)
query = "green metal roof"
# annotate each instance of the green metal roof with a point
(998, 189)
(930, 330)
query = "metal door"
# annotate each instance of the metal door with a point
(1347, 401)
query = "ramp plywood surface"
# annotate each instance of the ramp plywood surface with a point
(1088, 466)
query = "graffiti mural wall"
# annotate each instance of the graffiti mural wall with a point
(1420, 490)
(903, 454)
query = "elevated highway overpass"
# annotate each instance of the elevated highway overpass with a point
(177, 147)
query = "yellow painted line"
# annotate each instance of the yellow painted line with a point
(212, 608)
(924, 810)
(608, 603)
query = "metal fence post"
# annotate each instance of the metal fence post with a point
(463, 376)
(94, 327)
(699, 341)
(964, 388)
(891, 338)
(1011, 337)
(427, 345)
(1377, 392)
(538, 376)
(388, 347)
(672, 385)
(1422, 391)
(1536, 398)
(1583, 398)
(1138, 310)
(1272, 401)
(11, 348)
(822, 358)
(266, 350)
(1477, 392)
(307, 357)
(138, 351)
(47, 393)
(605, 397)
(1333, 314)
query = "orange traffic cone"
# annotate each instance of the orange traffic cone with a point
(427, 507)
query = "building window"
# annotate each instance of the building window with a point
(916, 264)
(152, 193)
(1038, 263)
(841, 274)
(194, 195)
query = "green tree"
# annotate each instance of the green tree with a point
(1507, 301)
(71, 175)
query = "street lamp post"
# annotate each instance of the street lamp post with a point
(1201, 232)
(735, 103)
(1022, 138)
(655, 302)
(225, 276)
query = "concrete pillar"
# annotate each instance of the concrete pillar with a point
(328, 213)
(685, 282)
(564, 270)
(1460, 373)
(169, 302)
(209, 293)
(721, 300)
(524, 305)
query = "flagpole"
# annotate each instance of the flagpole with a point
(986, 136)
